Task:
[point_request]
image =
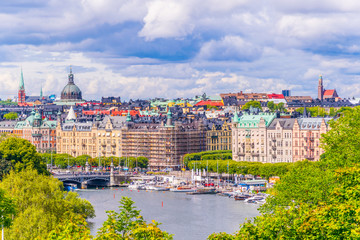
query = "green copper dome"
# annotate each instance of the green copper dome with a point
(71, 91)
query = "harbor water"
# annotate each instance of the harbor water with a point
(188, 217)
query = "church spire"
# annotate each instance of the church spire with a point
(22, 85)
(71, 76)
(21, 93)
(320, 89)
(41, 92)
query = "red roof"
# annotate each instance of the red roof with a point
(329, 92)
(209, 102)
(94, 112)
(87, 104)
(124, 113)
(275, 96)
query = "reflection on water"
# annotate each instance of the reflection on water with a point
(186, 216)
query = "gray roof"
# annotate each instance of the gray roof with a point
(285, 123)
(7, 124)
(116, 121)
(312, 123)
(82, 127)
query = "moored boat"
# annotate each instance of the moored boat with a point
(183, 189)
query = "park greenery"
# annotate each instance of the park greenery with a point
(11, 116)
(315, 200)
(276, 107)
(129, 224)
(220, 161)
(254, 104)
(41, 204)
(19, 154)
(8, 102)
(64, 161)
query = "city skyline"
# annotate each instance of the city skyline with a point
(175, 49)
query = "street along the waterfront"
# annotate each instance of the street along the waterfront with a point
(187, 216)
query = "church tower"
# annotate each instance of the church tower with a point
(21, 94)
(320, 89)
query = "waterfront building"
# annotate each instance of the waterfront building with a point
(249, 138)
(98, 138)
(40, 132)
(163, 144)
(306, 137)
(280, 140)
(218, 136)
(264, 138)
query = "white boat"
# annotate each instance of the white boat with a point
(183, 189)
(137, 186)
(160, 188)
(255, 199)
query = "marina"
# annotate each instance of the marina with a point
(189, 217)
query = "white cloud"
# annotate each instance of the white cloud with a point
(167, 18)
(229, 48)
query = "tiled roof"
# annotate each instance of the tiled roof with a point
(329, 92)
(211, 103)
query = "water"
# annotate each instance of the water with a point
(187, 216)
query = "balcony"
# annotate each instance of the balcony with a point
(273, 139)
(36, 135)
(309, 157)
(273, 147)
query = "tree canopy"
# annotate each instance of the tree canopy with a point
(11, 116)
(254, 104)
(7, 209)
(129, 224)
(41, 204)
(18, 153)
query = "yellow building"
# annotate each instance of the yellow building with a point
(99, 138)
(218, 137)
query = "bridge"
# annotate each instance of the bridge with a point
(93, 179)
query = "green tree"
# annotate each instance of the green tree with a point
(41, 204)
(271, 106)
(7, 210)
(341, 143)
(142, 162)
(74, 229)
(5, 167)
(280, 107)
(21, 154)
(11, 116)
(129, 224)
(254, 104)
(337, 218)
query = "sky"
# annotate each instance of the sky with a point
(179, 48)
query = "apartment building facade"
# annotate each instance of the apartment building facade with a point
(264, 138)
(218, 136)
